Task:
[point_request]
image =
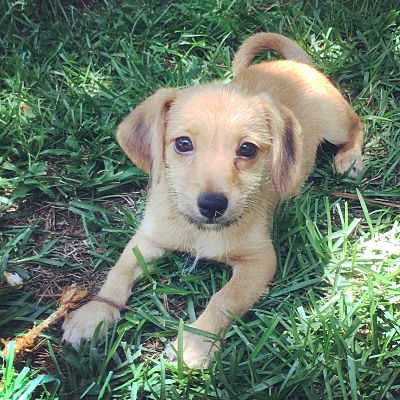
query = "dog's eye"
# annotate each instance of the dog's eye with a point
(247, 150)
(183, 144)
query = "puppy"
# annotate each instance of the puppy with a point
(220, 158)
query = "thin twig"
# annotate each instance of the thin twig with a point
(96, 297)
(355, 197)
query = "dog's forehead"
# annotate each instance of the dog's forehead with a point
(216, 106)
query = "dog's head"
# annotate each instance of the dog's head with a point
(215, 146)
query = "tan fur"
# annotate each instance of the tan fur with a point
(286, 108)
(267, 41)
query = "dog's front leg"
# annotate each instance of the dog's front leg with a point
(82, 322)
(250, 278)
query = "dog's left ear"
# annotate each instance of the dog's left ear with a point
(141, 133)
(287, 153)
(286, 147)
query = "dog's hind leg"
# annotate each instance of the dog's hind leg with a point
(349, 156)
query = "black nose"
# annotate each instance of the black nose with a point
(212, 205)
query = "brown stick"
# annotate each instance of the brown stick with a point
(355, 197)
(71, 297)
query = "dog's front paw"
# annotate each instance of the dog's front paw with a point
(81, 323)
(198, 351)
(350, 161)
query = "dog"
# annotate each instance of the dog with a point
(220, 158)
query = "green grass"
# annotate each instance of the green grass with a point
(70, 70)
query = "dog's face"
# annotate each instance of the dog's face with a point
(215, 146)
(216, 152)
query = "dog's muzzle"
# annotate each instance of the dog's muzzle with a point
(212, 205)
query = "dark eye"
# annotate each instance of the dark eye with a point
(247, 150)
(183, 144)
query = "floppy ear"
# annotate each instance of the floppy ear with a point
(141, 133)
(287, 153)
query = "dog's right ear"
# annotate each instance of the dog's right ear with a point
(141, 133)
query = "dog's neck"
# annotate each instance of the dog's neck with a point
(167, 227)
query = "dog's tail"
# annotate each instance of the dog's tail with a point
(267, 41)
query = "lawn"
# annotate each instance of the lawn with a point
(329, 328)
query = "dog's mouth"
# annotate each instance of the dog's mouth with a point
(216, 223)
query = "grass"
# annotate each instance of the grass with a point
(328, 328)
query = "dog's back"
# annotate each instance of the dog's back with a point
(319, 107)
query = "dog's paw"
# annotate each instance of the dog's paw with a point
(350, 161)
(81, 323)
(198, 351)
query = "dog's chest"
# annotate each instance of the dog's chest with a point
(220, 245)
(200, 243)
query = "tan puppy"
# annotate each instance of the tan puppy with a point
(220, 157)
